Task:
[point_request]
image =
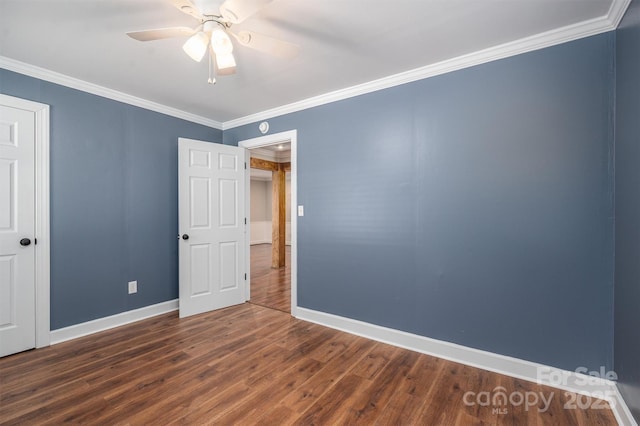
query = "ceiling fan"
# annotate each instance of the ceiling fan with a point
(213, 33)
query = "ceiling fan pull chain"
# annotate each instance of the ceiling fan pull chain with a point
(212, 69)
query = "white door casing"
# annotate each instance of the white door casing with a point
(211, 193)
(17, 221)
(274, 139)
(24, 207)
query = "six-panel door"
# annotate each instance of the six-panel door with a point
(17, 224)
(211, 226)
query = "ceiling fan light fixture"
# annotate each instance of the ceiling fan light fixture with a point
(225, 60)
(213, 34)
(220, 42)
(196, 46)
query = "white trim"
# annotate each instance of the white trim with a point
(501, 364)
(257, 242)
(42, 248)
(621, 410)
(591, 27)
(117, 320)
(550, 38)
(42, 234)
(276, 138)
(247, 226)
(617, 11)
(105, 92)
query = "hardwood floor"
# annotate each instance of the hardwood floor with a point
(270, 287)
(249, 365)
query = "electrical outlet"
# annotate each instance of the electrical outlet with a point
(133, 287)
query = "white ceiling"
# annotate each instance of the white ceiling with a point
(280, 153)
(276, 148)
(343, 43)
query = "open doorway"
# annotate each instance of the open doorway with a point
(272, 260)
(270, 226)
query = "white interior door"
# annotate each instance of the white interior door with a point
(212, 226)
(17, 229)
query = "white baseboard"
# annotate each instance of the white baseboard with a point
(501, 364)
(101, 324)
(256, 242)
(260, 232)
(621, 410)
(513, 367)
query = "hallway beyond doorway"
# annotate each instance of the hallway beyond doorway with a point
(270, 287)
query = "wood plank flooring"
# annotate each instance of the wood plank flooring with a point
(270, 287)
(248, 365)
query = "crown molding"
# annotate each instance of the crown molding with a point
(550, 38)
(591, 27)
(617, 11)
(85, 86)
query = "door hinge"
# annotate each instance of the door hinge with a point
(245, 276)
(245, 220)
(35, 241)
(245, 165)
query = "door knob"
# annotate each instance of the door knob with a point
(25, 242)
(185, 236)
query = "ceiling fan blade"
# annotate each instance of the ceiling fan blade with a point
(185, 6)
(236, 11)
(266, 44)
(160, 33)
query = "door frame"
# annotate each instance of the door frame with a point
(42, 225)
(290, 136)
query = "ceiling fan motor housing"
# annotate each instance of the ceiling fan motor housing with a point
(207, 7)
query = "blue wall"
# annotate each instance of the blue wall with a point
(627, 288)
(114, 200)
(474, 207)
